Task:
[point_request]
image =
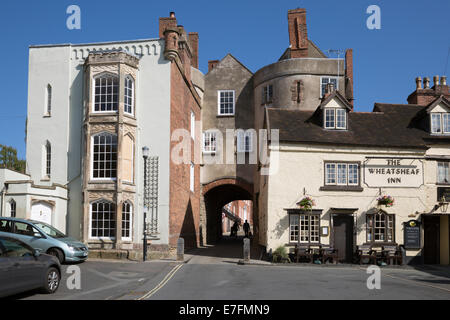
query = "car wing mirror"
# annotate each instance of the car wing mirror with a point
(36, 253)
(37, 235)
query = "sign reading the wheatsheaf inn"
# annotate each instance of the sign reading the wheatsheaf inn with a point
(388, 172)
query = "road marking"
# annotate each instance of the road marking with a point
(417, 282)
(162, 283)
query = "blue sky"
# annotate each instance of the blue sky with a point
(414, 40)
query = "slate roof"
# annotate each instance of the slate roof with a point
(389, 125)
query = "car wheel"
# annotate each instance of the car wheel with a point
(57, 253)
(52, 280)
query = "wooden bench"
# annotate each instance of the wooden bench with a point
(329, 254)
(302, 252)
(392, 255)
(366, 252)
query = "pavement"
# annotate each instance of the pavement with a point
(213, 273)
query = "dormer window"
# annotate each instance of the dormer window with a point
(335, 118)
(440, 123)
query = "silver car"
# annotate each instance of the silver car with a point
(44, 238)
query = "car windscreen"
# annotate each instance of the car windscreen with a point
(49, 230)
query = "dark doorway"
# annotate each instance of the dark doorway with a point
(343, 237)
(431, 239)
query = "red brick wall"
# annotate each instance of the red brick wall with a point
(184, 205)
(298, 35)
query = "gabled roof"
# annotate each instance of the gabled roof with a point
(439, 100)
(234, 58)
(389, 126)
(337, 95)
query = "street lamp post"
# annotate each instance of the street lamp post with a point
(145, 152)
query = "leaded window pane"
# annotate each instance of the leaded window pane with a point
(106, 94)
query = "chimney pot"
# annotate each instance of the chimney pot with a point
(212, 64)
(418, 83)
(436, 81)
(443, 80)
(426, 83)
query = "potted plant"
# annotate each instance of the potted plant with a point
(387, 201)
(280, 255)
(306, 203)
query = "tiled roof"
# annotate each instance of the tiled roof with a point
(390, 125)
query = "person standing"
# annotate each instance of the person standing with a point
(246, 228)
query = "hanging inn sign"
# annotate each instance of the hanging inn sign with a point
(393, 172)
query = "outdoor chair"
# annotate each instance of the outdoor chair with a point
(302, 252)
(329, 254)
(392, 255)
(315, 252)
(366, 252)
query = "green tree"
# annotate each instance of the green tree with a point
(9, 160)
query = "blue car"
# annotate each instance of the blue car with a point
(45, 238)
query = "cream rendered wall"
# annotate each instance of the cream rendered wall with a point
(63, 67)
(301, 167)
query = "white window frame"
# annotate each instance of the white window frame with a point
(321, 83)
(48, 160)
(109, 75)
(90, 220)
(207, 135)
(241, 140)
(334, 112)
(446, 167)
(192, 177)
(192, 125)
(219, 92)
(130, 221)
(125, 96)
(92, 157)
(311, 223)
(336, 173)
(442, 126)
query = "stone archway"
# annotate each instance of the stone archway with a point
(217, 194)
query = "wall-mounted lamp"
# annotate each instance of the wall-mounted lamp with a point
(443, 205)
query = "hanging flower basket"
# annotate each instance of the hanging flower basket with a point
(387, 201)
(306, 203)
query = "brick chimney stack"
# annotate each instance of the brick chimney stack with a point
(212, 64)
(424, 96)
(298, 35)
(166, 23)
(349, 76)
(193, 43)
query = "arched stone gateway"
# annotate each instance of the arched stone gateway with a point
(217, 194)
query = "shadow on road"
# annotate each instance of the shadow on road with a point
(227, 247)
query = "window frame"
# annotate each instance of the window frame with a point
(192, 177)
(90, 220)
(310, 230)
(267, 94)
(334, 113)
(347, 164)
(131, 79)
(241, 141)
(321, 84)
(447, 164)
(386, 228)
(442, 125)
(192, 125)
(219, 113)
(94, 79)
(48, 160)
(12, 208)
(92, 157)
(48, 100)
(130, 221)
(209, 134)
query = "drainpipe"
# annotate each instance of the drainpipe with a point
(3, 201)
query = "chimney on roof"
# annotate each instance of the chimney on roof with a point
(298, 35)
(212, 64)
(427, 95)
(193, 43)
(167, 23)
(349, 76)
(329, 89)
(418, 83)
(426, 83)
